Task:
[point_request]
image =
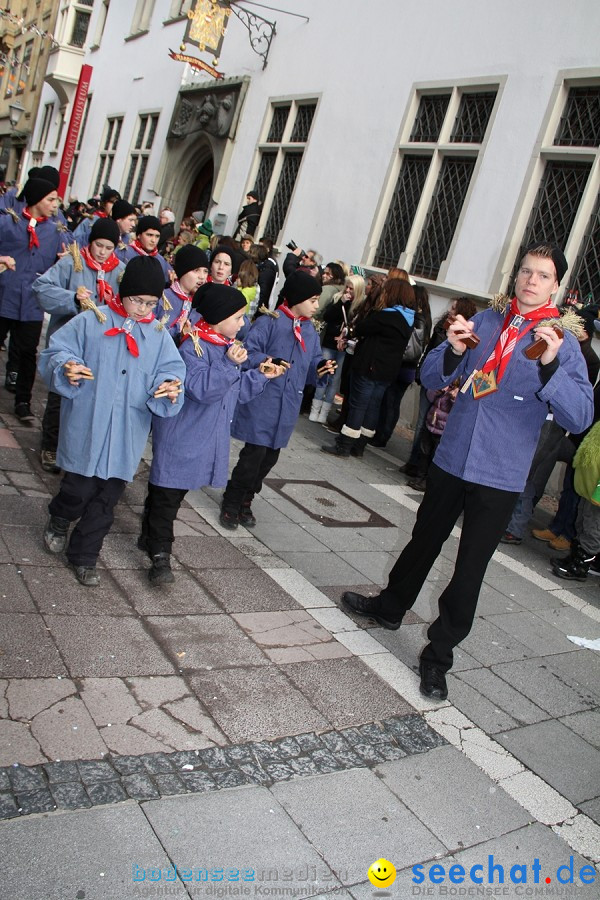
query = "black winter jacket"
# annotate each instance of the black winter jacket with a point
(383, 339)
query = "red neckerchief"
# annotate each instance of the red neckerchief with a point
(228, 281)
(186, 301)
(104, 289)
(510, 334)
(32, 222)
(135, 245)
(116, 304)
(100, 214)
(207, 333)
(284, 308)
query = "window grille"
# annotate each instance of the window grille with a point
(473, 117)
(430, 117)
(80, 28)
(283, 193)
(278, 123)
(442, 217)
(586, 271)
(105, 162)
(304, 118)
(580, 122)
(265, 170)
(139, 157)
(403, 207)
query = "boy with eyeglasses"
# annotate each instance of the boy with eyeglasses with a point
(113, 376)
(482, 461)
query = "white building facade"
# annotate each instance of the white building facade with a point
(441, 137)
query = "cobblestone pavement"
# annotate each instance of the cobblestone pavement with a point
(241, 719)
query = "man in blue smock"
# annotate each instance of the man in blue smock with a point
(483, 459)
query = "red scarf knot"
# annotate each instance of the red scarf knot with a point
(31, 226)
(116, 304)
(206, 332)
(104, 290)
(284, 308)
(186, 305)
(510, 334)
(135, 245)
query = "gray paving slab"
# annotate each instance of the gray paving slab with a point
(474, 809)
(346, 692)
(591, 808)
(185, 597)
(539, 636)
(201, 643)
(586, 725)
(545, 686)
(89, 853)
(512, 700)
(375, 564)
(491, 645)
(245, 828)
(28, 650)
(14, 596)
(521, 847)
(352, 819)
(19, 510)
(569, 621)
(120, 551)
(256, 592)
(322, 568)
(57, 592)
(107, 645)
(580, 670)
(209, 553)
(255, 704)
(292, 537)
(25, 546)
(407, 642)
(559, 756)
(344, 539)
(494, 602)
(478, 708)
(526, 593)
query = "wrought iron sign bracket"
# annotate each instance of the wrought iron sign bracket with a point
(260, 31)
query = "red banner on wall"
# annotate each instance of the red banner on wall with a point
(83, 86)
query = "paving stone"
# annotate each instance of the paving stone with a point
(131, 741)
(474, 809)
(106, 792)
(108, 700)
(349, 759)
(325, 761)
(120, 647)
(230, 778)
(209, 553)
(140, 787)
(413, 734)
(14, 596)
(28, 650)
(539, 636)
(4, 780)
(213, 759)
(208, 642)
(70, 796)
(8, 807)
(549, 688)
(309, 742)
(287, 747)
(257, 703)
(66, 731)
(592, 809)
(127, 765)
(239, 754)
(28, 696)
(169, 784)
(198, 782)
(60, 772)
(57, 592)
(185, 758)
(35, 802)
(586, 725)
(279, 771)
(24, 779)
(368, 753)
(185, 597)
(157, 763)
(255, 773)
(153, 691)
(370, 822)
(545, 747)
(335, 742)
(192, 713)
(92, 771)
(17, 745)
(492, 645)
(511, 702)
(580, 670)
(322, 568)
(374, 732)
(26, 548)
(260, 592)
(346, 692)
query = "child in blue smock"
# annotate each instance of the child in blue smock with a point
(266, 423)
(175, 305)
(113, 376)
(192, 450)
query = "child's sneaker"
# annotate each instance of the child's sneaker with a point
(594, 568)
(161, 573)
(86, 575)
(55, 535)
(246, 516)
(229, 520)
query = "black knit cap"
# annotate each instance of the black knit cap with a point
(142, 275)
(36, 189)
(227, 250)
(109, 194)
(147, 223)
(188, 258)
(558, 257)
(300, 286)
(49, 173)
(121, 209)
(105, 229)
(216, 302)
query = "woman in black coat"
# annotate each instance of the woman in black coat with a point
(382, 337)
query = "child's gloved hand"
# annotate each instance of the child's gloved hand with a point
(237, 354)
(169, 389)
(74, 372)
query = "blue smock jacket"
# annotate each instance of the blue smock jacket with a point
(16, 296)
(104, 423)
(8, 201)
(177, 305)
(192, 450)
(129, 252)
(270, 419)
(491, 441)
(55, 290)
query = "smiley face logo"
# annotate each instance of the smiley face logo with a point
(381, 873)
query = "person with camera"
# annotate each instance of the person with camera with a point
(297, 258)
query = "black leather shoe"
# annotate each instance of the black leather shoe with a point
(86, 575)
(229, 520)
(370, 608)
(246, 517)
(433, 681)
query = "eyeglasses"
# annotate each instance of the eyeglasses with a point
(143, 304)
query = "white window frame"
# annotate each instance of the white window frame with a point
(139, 157)
(106, 156)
